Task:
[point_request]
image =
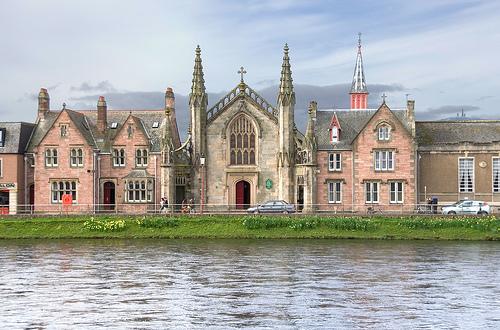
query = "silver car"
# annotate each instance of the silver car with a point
(467, 207)
(277, 206)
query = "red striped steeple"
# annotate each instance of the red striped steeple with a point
(359, 92)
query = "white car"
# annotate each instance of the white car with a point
(467, 207)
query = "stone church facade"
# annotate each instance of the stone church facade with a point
(244, 150)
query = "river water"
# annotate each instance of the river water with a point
(249, 283)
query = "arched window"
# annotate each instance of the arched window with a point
(242, 142)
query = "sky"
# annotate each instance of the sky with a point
(443, 53)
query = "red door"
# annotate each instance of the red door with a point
(109, 195)
(242, 195)
(32, 194)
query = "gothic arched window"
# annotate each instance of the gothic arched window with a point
(242, 142)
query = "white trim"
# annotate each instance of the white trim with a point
(76, 165)
(372, 183)
(493, 159)
(473, 175)
(334, 191)
(387, 159)
(1, 167)
(396, 191)
(334, 162)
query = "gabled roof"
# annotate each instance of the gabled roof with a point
(434, 133)
(143, 118)
(17, 135)
(351, 121)
(86, 123)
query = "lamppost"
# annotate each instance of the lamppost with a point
(202, 163)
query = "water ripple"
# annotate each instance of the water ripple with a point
(264, 284)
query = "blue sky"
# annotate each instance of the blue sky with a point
(444, 53)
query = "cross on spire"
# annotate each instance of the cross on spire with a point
(242, 72)
(384, 97)
(359, 39)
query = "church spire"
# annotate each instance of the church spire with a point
(198, 86)
(359, 92)
(286, 94)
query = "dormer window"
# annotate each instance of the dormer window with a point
(384, 133)
(114, 125)
(156, 124)
(334, 134)
(335, 129)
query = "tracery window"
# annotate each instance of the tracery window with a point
(242, 142)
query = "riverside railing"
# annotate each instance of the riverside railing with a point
(134, 209)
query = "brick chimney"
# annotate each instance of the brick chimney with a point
(410, 114)
(43, 103)
(102, 120)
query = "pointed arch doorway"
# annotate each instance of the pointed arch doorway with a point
(109, 195)
(242, 195)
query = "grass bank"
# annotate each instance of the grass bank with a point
(242, 226)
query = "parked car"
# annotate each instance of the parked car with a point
(276, 206)
(467, 207)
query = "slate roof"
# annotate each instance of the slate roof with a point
(86, 121)
(17, 136)
(351, 121)
(433, 133)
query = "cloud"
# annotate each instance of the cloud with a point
(326, 96)
(485, 97)
(447, 110)
(103, 86)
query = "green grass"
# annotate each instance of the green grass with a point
(245, 226)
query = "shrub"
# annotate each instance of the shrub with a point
(104, 224)
(158, 222)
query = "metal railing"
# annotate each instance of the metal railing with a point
(326, 209)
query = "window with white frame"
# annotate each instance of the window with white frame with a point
(496, 175)
(76, 157)
(51, 157)
(334, 134)
(466, 174)
(384, 132)
(396, 192)
(119, 157)
(371, 192)
(335, 162)
(141, 158)
(384, 160)
(60, 188)
(139, 191)
(334, 192)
